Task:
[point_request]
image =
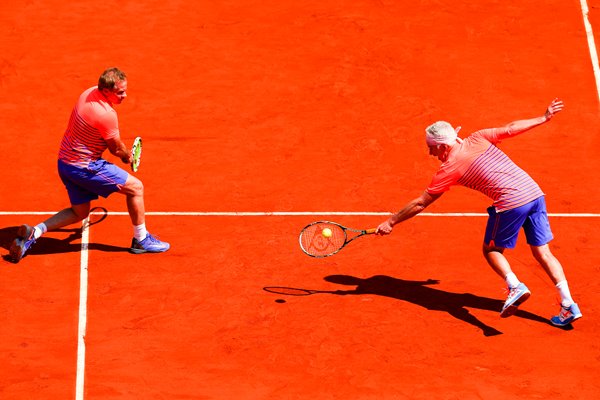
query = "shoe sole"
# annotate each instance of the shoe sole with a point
(142, 251)
(136, 251)
(24, 232)
(16, 250)
(512, 309)
(562, 325)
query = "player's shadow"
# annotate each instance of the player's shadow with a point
(47, 245)
(423, 294)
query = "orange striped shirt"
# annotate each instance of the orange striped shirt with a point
(478, 164)
(93, 120)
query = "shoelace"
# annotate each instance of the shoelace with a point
(29, 240)
(564, 313)
(510, 292)
(153, 239)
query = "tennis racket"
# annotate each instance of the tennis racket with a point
(96, 215)
(136, 154)
(324, 238)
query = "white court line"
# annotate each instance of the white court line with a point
(591, 44)
(83, 290)
(292, 214)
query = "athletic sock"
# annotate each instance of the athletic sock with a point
(565, 294)
(511, 280)
(140, 232)
(39, 230)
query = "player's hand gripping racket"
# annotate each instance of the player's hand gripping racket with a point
(324, 238)
(136, 154)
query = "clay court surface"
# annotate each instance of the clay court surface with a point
(292, 107)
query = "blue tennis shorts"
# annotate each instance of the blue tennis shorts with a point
(503, 228)
(100, 178)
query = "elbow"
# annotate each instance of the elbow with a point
(422, 202)
(419, 206)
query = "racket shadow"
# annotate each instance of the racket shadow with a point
(48, 245)
(422, 293)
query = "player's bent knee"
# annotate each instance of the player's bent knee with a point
(81, 211)
(490, 248)
(542, 253)
(133, 186)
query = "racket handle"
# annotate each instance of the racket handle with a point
(370, 231)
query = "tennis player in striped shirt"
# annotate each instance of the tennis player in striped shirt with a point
(518, 202)
(93, 127)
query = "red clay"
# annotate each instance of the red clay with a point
(287, 106)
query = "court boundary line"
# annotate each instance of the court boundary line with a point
(289, 214)
(591, 44)
(83, 295)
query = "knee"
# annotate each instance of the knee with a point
(139, 187)
(542, 254)
(81, 212)
(134, 186)
(487, 249)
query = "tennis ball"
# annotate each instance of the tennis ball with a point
(326, 232)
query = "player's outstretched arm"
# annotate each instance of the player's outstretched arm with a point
(411, 209)
(520, 126)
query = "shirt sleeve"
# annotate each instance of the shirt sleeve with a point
(494, 135)
(108, 125)
(442, 181)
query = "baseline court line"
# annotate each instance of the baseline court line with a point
(291, 214)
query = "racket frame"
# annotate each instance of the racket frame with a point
(345, 229)
(136, 160)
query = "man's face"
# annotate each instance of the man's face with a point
(440, 151)
(118, 94)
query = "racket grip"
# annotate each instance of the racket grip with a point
(370, 231)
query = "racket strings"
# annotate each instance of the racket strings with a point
(316, 243)
(136, 152)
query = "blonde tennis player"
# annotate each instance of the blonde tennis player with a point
(93, 127)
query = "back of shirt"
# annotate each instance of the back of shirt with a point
(92, 121)
(478, 164)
